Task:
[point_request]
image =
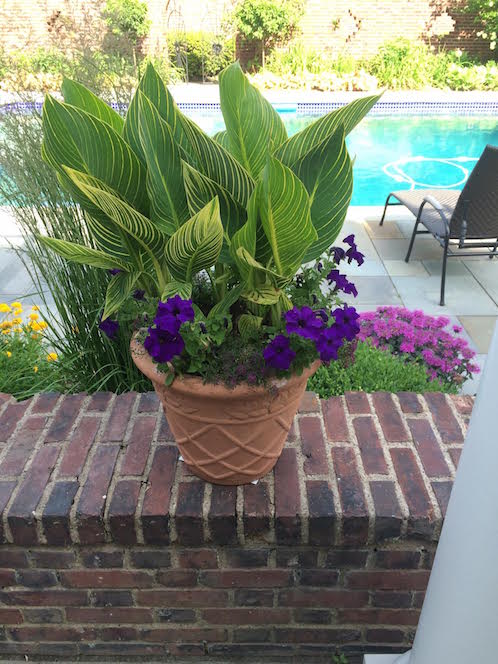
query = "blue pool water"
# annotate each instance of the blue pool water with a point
(401, 152)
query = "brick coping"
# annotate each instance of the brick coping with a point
(356, 470)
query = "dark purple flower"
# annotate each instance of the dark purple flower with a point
(139, 294)
(114, 271)
(304, 322)
(338, 253)
(163, 346)
(109, 327)
(346, 321)
(350, 240)
(322, 314)
(353, 254)
(203, 328)
(328, 344)
(278, 354)
(319, 266)
(171, 314)
(341, 283)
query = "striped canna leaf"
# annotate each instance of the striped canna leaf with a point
(78, 253)
(77, 95)
(118, 291)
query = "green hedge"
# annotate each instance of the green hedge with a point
(206, 54)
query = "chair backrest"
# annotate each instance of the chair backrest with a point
(479, 199)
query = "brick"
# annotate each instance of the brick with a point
(44, 650)
(177, 615)
(7, 578)
(385, 636)
(418, 599)
(444, 419)
(312, 616)
(198, 558)
(334, 416)
(313, 446)
(253, 597)
(322, 516)
(242, 558)
(52, 559)
(11, 415)
(90, 508)
(387, 580)
(109, 615)
(182, 598)
(44, 598)
(150, 558)
(428, 448)
(183, 634)
(117, 424)
(390, 420)
(442, 491)
(222, 518)
(36, 578)
(102, 559)
(251, 635)
(391, 600)
(391, 617)
(392, 559)
(309, 403)
(122, 511)
(23, 444)
(52, 633)
(239, 650)
(188, 518)
(388, 514)
(56, 514)
(76, 451)
(6, 490)
(99, 401)
(15, 558)
(45, 403)
(257, 578)
(455, 454)
(165, 433)
(370, 446)
(464, 403)
(354, 509)
(104, 598)
(327, 598)
(357, 403)
(118, 634)
(20, 516)
(257, 509)
(177, 578)
(65, 417)
(409, 402)
(346, 558)
(317, 577)
(329, 635)
(287, 499)
(155, 510)
(149, 403)
(295, 558)
(412, 485)
(43, 616)
(138, 447)
(240, 616)
(116, 578)
(121, 650)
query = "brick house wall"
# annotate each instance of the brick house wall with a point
(109, 547)
(357, 27)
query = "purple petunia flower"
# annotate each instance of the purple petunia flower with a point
(350, 239)
(170, 315)
(278, 354)
(338, 253)
(109, 327)
(328, 344)
(352, 254)
(163, 346)
(139, 294)
(341, 283)
(114, 271)
(347, 321)
(303, 322)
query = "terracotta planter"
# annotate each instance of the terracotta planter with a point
(226, 436)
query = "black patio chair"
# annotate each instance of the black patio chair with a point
(466, 219)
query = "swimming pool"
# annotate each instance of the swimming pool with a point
(400, 152)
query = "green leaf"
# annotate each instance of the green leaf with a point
(79, 140)
(249, 325)
(78, 253)
(264, 294)
(176, 288)
(256, 275)
(304, 141)
(222, 308)
(327, 174)
(254, 128)
(197, 244)
(169, 209)
(118, 291)
(221, 137)
(77, 95)
(284, 209)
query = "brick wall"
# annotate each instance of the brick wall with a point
(110, 547)
(357, 27)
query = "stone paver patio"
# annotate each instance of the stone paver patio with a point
(384, 278)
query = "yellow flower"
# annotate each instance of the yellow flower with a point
(36, 326)
(35, 369)
(35, 336)
(4, 308)
(51, 357)
(6, 324)
(16, 305)
(8, 353)
(43, 325)
(35, 308)
(5, 331)
(34, 316)
(17, 321)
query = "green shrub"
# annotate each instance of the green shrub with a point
(486, 12)
(402, 63)
(372, 370)
(205, 54)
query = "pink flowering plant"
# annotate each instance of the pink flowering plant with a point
(425, 339)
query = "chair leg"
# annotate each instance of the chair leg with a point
(443, 273)
(493, 253)
(385, 209)
(410, 247)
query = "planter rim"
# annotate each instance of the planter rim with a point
(187, 384)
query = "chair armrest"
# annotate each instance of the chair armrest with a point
(433, 202)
